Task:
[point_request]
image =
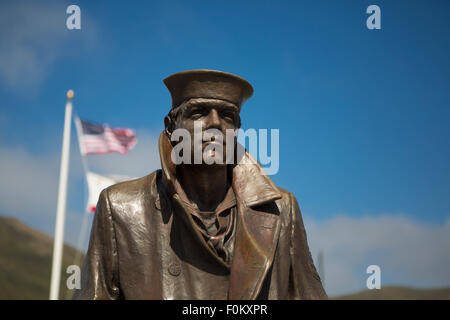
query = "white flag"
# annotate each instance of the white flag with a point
(97, 183)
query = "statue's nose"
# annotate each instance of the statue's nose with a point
(213, 120)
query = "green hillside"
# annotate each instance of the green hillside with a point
(25, 262)
(398, 293)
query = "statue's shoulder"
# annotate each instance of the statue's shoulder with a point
(287, 201)
(285, 195)
(132, 190)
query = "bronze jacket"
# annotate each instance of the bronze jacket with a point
(144, 246)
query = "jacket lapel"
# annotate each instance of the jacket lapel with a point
(257, 231)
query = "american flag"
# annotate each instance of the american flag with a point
(97, 138)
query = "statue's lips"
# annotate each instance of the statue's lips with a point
(213, 143)
(211, 139)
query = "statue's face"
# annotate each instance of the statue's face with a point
(213, 114)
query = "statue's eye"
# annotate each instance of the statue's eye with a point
(197, 113)
(228, 116)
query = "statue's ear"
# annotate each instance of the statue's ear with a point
(239, 123)
(168, 123)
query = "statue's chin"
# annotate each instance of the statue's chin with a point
(212, 158)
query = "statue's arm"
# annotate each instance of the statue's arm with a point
(304, 280)
(99, 277)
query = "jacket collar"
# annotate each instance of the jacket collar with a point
(258, 226)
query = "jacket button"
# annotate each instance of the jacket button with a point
(175, 269)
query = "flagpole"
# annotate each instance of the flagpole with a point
(61, 206)
(86, 215)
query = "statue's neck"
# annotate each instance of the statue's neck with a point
(204, 185)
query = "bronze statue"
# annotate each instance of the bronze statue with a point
(200, 231)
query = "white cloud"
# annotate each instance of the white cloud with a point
(33, 36)
(29, 182)
(409, 252)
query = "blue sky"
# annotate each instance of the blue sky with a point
(363, 114)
